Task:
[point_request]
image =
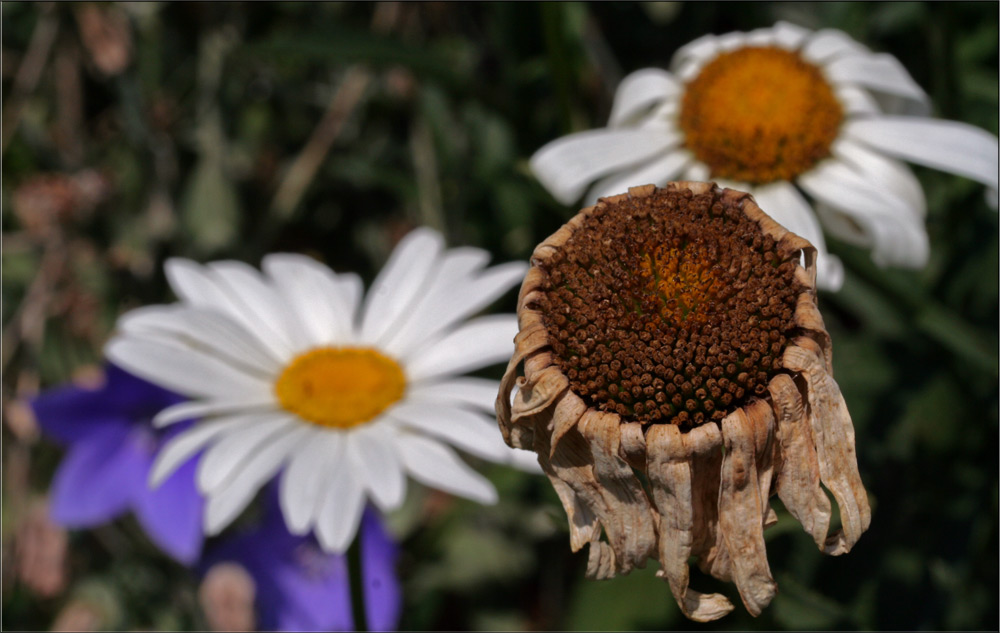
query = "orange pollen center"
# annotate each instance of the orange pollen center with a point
(684, 278)
(340, 387)
(760, 114)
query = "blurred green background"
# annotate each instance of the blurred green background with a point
(137, 131)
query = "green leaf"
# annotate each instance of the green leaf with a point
(639, 600)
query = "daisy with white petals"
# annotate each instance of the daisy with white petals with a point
(779, 112)
(293, 369)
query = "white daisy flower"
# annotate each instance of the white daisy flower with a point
(291, 370)
(778, 112)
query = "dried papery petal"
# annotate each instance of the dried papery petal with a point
(762, 417)
(807, 317)
(798, 484)
(526, 342)
(740, 515)
(709, 545)
(544, 387)
(670, 477)
(572, 476)
(623, 508)
(633, 445)
(833, 434)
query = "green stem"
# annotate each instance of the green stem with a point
(357, 585)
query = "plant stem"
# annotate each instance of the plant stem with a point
(354, 573)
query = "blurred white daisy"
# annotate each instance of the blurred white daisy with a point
(778, 112)
(288, 370)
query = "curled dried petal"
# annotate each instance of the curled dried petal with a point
(740, 515)
(834, 437)
(799, 483)
(622, 508)
(670, 477)
(572, 477)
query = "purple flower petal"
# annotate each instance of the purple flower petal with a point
(171, 514)
(382, 596)
(314, 590)
(299, 587)
(97, 480)
(134, 396)
(71, 413)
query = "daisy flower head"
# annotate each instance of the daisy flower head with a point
(813, 124)
(674, 333)
(292, 369)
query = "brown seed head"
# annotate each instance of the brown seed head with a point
(654, 296)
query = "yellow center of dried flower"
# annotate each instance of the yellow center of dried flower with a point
(340, 387)
(760, 114)
(673, 308)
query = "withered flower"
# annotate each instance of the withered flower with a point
(676, 375)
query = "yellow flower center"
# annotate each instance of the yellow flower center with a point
(684, 277)
(340, 387)
(759, 115)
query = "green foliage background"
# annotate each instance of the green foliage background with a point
(201, 131)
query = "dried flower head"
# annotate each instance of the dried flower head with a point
(675, 332)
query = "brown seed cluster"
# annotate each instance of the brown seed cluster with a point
(674, 308)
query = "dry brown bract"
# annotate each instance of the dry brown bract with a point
(709, 476)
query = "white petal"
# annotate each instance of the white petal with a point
(313, 295)
(466, 390)
(698, 172)
(857, 100)
(351, 289)
(950, 146)
(199, 409)
(526, 461)
(731, 41)
(828, 44)
(302, 489)
(567, 165)
(184, 370)
(226, 503)
(697, 50)
(372, 452)
(229, 455)
(179, 449)
(734, 185)
(640, 90)
(435, 465)
(455, 292)
(896, 231)
(213, 332)
(760, 37)
(790, 36)
(659, 171)
(262, 304)
(787, 207)
(464, 429)
(477, 343)
(199, 288)
(193, 286)
(688, 70)
(883, 171)
(402, 280)
(880, 73)
(340, 512)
